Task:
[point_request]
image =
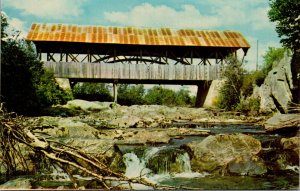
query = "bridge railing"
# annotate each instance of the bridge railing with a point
(140, 71)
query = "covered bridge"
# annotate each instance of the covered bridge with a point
(135, 55)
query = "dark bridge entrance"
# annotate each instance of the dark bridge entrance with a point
(135, 55)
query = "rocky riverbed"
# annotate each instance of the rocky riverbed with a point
(105, 129)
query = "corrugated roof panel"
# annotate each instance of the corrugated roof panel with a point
(193, 40)
(62, 37)
(245, 43)
(30, 35)
(212, 41)
(203, 35)
(94, 38)
(33, 27)
(202, 41)
(94, 29)
(181, 41)
(207, 43)
(222, 42)
(135, 31)
(198, 34)
(46, 35)
(131, 35)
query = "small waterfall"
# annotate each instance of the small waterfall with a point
(134, 166)
(185, 162)
(187, 169)
(158, 163)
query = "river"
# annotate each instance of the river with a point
(163, 172)
(169, 164)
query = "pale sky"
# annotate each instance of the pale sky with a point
(246, 16)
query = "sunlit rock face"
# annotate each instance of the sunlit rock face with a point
(275, 93)
(214, 153)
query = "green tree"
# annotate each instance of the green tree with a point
(286, 14)
(271, 57)
(160, 96)
(92, 91)
(26, 87)
(131, 94)
(250, 79)
(183, 98)
(230, 92)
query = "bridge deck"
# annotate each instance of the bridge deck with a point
(135, 73)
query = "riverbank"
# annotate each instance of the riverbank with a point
(176, 136)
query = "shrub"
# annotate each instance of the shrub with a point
(229, 93)
(249, 80)
(273, 56)
(248, 105)
(183, 98)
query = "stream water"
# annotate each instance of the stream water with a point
(169, 165)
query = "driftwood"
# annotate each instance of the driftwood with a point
(13, 132)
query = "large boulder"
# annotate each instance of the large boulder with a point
(215, 153)
(282, 121)
(275, 93)
(88, 105)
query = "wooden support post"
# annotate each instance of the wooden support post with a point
(202, 91)
(115, 89)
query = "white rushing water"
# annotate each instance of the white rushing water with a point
(137, 167)
(134, 166)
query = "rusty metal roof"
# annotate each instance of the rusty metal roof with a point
(135, 36)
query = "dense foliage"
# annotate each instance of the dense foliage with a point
(134, 94)
(131, 94)
(92, 91)
(230, 92)
(160, 96)
(163, 96)
(157, 95)
(272, 57)
(286, 14)
(26, 87)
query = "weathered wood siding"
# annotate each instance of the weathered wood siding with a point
(133, 71)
